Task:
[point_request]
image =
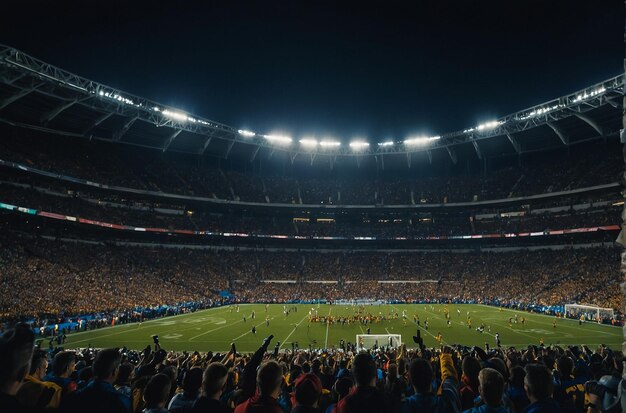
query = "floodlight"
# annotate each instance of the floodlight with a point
(488, 125)
(246, 133)
(175, 115)
(279, 139)
(359, 144)
(308, 142)
(386, 143)
(421, 140)
(328, 144)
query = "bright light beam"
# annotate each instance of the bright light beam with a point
(246, 133)
(421, 140)
(359, 144)
(278, 139)
(308, 142)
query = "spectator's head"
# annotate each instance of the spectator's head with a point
(498, 365)
(491, 386)
(192, 381)
(565, 365)
(85, 374)
(392, 372)
(316, 366)
(39, 364)
(64, 364)
(538, 382)
(516, 379)
(213, 379)
(16, 350)
(364, 370)
(308, 390)
(471, 368)
(294, 373)
(157, 391)
(106, 366)
(342, 387)
(269, 379)
(421, 374)
(123, 376)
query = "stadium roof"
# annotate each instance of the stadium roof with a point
(39, 96)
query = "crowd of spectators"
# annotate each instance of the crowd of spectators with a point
(152, 172)
(409, 225)
(44, 277)
(450, 379)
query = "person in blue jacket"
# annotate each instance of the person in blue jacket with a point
(421, 374)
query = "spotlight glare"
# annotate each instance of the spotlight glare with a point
(328, 143)
(278, 139)
(421, 140)
(359, 144)
(175, 115)
(308, 142)
(246, 133)
(489, 125)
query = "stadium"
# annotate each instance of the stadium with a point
(170, 245)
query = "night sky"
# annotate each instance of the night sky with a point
(386, 69)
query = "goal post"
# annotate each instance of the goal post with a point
(588, 312)
(369, 341)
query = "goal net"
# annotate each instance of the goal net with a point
(588, 312)
(369, 341)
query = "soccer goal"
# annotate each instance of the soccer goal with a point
(368, 341)
(588, 312)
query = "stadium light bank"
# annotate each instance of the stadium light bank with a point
(421, 140)
(309, 142)
(330, 144)
(278, 139)
(358, 145)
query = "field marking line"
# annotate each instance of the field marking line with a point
(327, 326)
(215, 329)
(140, 327)
(546, 317)
(227, 325)
(292, 331)
(250, 331)
(544, 320)
(143, 322)
(504, 326)
(420, 327)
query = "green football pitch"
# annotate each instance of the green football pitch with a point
(216, 328)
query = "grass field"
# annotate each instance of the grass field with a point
(216, 328)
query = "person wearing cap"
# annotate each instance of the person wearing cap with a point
(364, 397)
(16, 350)
(100, 395)
(307, 392)
(37, 393)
